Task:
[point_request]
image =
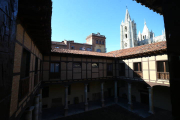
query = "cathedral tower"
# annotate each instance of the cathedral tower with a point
(128, 36)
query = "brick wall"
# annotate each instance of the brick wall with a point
(23, 41)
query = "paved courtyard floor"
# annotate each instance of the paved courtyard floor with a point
(111, 111)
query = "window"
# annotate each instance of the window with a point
(109, 69)
(103, 42)
(137, 66)
(122, 69)
(137, 70)
(80, 48)
(88, 49)
(95, 65)
(72, 47)
(54, 71)
(56, 47)
(54, 67)
(98, 50)
(162, 70)
(76, 65)
(125, 29)
(96, 41)
(45, 92)
(125, 35)
(25, 66)
(24, 81)
(99, 42)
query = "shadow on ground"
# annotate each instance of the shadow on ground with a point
(115, 112)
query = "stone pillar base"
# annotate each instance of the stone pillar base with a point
(66, 112)
(130, 106)
(102, 105)
(28, 113)
(151, 112)
(86, 107)
(116, 100)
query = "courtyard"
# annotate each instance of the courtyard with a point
(116, 112)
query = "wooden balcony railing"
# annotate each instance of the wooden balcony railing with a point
(138, 74)
(36, 79)
(163, 75)
(54, 75)
(24, 87)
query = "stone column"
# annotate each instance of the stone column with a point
(28, 113)
(170, 9)
(115, 92)
(151, 107)
(66, 101)
(85, 98)
(36, 108)
(102, 94)
(129, 97)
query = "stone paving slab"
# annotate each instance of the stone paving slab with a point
(138, 109)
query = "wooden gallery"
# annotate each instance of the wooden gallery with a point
(34, 77)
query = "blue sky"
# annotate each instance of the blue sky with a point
(76, 19)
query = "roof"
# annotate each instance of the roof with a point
(81, 52)
(124, 53)
(141, 50)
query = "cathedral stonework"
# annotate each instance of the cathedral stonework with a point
(129, 38)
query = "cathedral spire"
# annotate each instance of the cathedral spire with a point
(144, 22)
(127, 16)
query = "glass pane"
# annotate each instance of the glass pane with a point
(135, 66)
(167, 67)
(109, 67)
(52, 67)
(57, 67)
(94, 65)
(140, 66)
(160, 66)
(77, 65)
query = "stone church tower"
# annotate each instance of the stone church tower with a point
(128, 36)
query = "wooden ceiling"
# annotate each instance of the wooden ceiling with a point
(35, 16)
(155, 5)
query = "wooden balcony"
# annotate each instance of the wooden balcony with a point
(24, 87)
(138, 74)
(163, 75)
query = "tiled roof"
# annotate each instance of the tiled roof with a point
(139, 50)
(81, 52)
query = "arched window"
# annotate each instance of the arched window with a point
(125, 28)
(98, 50)
(103, 42)
(96, 41)
(99, 42)
(125, 35)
